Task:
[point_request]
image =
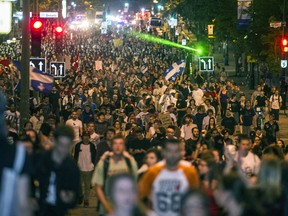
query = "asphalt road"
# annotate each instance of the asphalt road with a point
(90, 211)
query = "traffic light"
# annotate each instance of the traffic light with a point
(36, 29)
(284, 45)
(58, 31)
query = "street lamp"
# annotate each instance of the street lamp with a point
(73, 4)
(159, 7)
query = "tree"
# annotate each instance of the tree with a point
(262, 41)
(48, 5)
(259, 40)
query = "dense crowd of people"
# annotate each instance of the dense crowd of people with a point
(196, 145)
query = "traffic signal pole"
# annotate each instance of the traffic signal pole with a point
(283, 35)
(25, 76)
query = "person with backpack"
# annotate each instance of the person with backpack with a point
(275, 104)
(112, 163)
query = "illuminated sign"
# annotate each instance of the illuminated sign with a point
(6, 17)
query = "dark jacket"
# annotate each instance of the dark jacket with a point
(92, 151)
(101, 128)
(64, 173)
(87, 117)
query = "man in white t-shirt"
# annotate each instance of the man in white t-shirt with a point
(94, 137)
(247, 162)
(76, 124)
(85, 155)
(166, 100)
(197, 95)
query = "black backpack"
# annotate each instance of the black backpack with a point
(105, 172)
(106, 167)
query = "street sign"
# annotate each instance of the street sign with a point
(103, 31)
(211, 31)
(109, 22)
(104, 28)
(48, 14)
(184, 42)
(277, 24)
(206, 63)
(57, 69)
(284, 63)
(250, 59)
(39, 63)
(19, 15)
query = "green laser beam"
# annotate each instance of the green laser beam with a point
(154, 39)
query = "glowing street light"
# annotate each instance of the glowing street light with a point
(73, 4)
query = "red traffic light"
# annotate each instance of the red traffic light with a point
(37, 24)
(59, 29)
(284, 45)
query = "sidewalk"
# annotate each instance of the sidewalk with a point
(230, 69)
(283, 124)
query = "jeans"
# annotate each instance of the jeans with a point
(236, 117)
(86, 183)
(223, 109)
(275, 112)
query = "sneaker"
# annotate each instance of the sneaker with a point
(86, 204)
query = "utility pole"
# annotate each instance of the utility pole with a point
(60, 10)
(25, 76)
(35, 7)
